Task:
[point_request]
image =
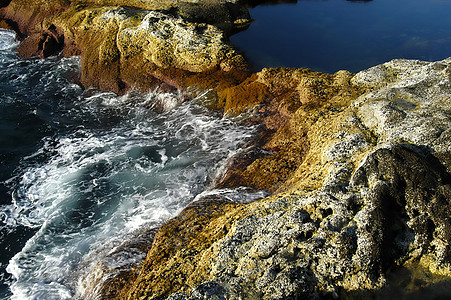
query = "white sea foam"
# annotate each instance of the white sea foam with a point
(100, 184)
(110, 166)
(7, 40)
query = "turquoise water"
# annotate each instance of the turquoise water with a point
(82, 170)
(332, 35)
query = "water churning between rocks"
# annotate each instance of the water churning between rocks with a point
(81, 169)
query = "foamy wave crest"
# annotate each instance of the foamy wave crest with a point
(126, 167)
(7, 40)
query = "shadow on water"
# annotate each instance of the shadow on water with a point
(254, 3)
(15, 239)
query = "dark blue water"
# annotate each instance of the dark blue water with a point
(330, 35)
(81, 169)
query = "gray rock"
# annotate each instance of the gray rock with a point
(387, 209)
(413, 106)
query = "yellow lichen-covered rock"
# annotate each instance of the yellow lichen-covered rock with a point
(127, 46)
(294, 100)
(171, 42)
(172, 267)
(359, 164)
(118, 36)
(365, 212)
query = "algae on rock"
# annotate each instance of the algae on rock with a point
(124, 45)
(364, 202)
(360, 163)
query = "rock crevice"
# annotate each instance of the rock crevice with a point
(359, 164)
(365, 204)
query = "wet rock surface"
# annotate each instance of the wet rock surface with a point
(109, 268)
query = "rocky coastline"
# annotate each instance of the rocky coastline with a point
(358, 164)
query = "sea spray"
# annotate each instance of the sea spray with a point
(100, 168)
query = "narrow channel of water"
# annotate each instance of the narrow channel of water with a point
(82, 168)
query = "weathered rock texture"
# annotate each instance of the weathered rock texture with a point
(288, 102)
(364, 210)
(133, 44)
(359, 163)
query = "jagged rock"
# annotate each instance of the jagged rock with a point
(414, 106)
(42, 44)
(363, 203)
(123, 47)
(138, 44)
(109, 268)
(319, 243)
(360, 163)
(287, 102)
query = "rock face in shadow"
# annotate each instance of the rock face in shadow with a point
(364, 203)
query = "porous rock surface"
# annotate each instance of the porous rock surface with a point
(132, 44)
(359, 163)
(369, 202)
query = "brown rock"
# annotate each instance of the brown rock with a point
(244, 97)
(5, 24)
(122, 47)
(287, 101)
(356, 211)
(184, 235)
(26, 15)
(40, 44)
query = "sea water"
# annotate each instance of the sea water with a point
(353, 35)
(82, 168)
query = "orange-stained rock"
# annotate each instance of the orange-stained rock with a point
(171, 266)
(365, 213)
(359, 164)
(125, 47)
(288, 101)
(5, 24)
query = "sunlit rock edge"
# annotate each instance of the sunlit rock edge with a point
(364, 211)
(358, 163)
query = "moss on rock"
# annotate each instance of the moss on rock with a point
(124, 46)
(357, 209)
(359, 164)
